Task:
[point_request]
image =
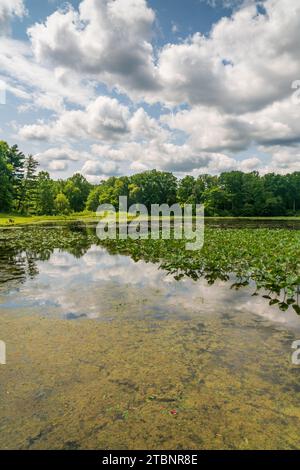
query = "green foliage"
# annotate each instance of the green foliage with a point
(44, 194)
(77, 190)
(6, 170)
(239, 194)
(62, 205)
(28, 190)
(11, 176)
(93, 199)
(266, 259)
(154, 187)
(232, 194)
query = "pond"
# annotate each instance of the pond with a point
(106, 350)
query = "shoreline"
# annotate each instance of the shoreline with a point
(19, 220)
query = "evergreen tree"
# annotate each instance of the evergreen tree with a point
(6, 195)
(16, 161)
(29, 187)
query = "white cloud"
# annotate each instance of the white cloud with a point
(234, 83)
(8, 10)
(58, 158)
(211, 130)
(23, 75)
(283, 159)
(96, 168)
(250, 164)
(164, 155)
(105, 118)
(247, 62)
(58, 165)
(106, 39)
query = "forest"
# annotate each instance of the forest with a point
(26, 190)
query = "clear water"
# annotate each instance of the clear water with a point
(104, 352)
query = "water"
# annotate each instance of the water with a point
(105, 352)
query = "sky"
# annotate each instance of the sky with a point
(115, 87)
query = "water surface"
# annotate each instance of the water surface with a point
(105, 352)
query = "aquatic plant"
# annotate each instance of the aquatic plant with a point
(270, 259)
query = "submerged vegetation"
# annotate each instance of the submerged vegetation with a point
(268, 259)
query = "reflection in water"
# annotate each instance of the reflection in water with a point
(104, 286)
(16, 267)
(144, 345)
(22, 250)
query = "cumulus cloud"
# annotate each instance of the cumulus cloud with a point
(219, 94)
(107, 39)
(247, 62)
(99, 168)
(110, 40)
(38, 85)
(211, 130)
(105, 118)
(8, 10)
(250, 164)
(58, 158)
(282, 159)
(167, 156)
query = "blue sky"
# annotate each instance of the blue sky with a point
(109, 87)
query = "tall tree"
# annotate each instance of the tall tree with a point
(16, 160)
(155, 187)
(77, 190)
(44, 194)
(62, 204)
(6, 193)
(27, 202)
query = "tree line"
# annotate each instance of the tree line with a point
(24, 190)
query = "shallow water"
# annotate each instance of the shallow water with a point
(104, 352)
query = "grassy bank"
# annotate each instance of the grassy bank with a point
(17, 219)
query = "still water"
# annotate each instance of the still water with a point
(108, 353)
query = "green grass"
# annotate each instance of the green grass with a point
(13, 219)
(17, 219)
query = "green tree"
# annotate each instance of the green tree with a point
(112, 189)
(92, 202)
(27, 203)
(216, 201)
(155, 187)
(186, 192)
(16, 160)
(44, 194)
(77, 190)
(6, 170)
(293, 193)
(232, 184)
(253, 195)
(62, 204)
